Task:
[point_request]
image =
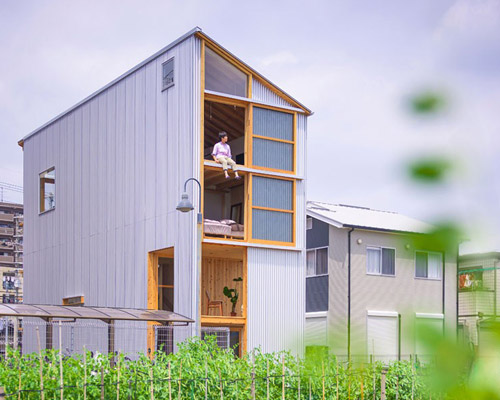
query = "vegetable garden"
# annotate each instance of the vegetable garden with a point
(202, 370)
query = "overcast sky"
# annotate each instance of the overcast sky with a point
(354, 63)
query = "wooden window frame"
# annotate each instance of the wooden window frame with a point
(251, 207)
(238, 65)
(41, 191)
(256, 135)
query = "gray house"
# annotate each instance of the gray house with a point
(368, 286)
(103, 179)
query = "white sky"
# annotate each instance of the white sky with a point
(354, 63)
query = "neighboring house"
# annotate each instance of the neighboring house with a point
(368, 287)
(478, 297)
(103, 179)
(11, 252)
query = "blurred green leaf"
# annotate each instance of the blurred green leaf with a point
(427, 102)
(430, 169)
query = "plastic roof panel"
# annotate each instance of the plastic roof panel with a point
(84, 312)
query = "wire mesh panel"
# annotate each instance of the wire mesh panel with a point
(221, 334)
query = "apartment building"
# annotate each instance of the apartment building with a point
(11, 252)
(103, 179)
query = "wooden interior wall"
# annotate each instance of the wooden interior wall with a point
(217, 273)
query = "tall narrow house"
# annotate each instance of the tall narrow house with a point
(103, 179)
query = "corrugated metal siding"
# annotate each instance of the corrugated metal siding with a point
(120, 159)
(273, 124)
(272, 193)
(271, 154)
(272, 225)
(276, 320)
(262, 93)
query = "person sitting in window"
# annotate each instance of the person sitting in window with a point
(222, 155)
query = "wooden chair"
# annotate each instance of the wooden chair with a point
(217, 304)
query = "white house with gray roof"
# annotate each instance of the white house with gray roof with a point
(369, 283)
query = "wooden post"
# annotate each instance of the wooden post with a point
(362, 387)
(310, 389)
(180, 380)
(169, 383)
(151, 379)
(412, 381)
(267, 380)
(42, 393)
(323, 378)
(102, 382)
(253, 377)
(349, 379)
(397, 382)
(206, 381)
(84, 373)
(118, 381)
(220, 381)
(337, 376)
(374, 381)
(19, 383)
(283, 378)
(60, 360)
(382, 383)
(298, 387)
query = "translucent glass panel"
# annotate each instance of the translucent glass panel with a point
(223, 77)
(272, 193)
(272, 124)
(272, 225)
(271, 154)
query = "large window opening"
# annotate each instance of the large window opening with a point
(223, 77)
(166, 284)
(224, 206)
(230, 119)
(47, 190)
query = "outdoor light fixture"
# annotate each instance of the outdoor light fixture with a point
(185, 206)
(359, 241)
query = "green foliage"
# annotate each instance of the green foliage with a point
(232, 294)
(427, 102)
(196, 360)
(430, 169)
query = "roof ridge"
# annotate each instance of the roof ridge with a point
(353, 206)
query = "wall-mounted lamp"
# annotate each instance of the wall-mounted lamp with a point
(359, 241)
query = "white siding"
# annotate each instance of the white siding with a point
(276, 299)
(121, 158)
(316, 331)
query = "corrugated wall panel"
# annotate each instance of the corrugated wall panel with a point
(276, 320)
(271, 154)
(120, 159)
(262, 93)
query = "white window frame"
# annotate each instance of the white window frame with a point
(309, 223)
(369, 247)
(315, 259)
(40, 212)
(171, 59)
(427, 277)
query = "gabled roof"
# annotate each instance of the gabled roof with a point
(346, 216)
(195, 31)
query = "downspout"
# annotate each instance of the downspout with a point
(457, 284)
(444, 294)
(349, 294)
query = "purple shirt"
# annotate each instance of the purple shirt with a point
(221, 149)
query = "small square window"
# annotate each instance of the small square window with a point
(167, 74)
(47, 190)
(380, 261)
(428, 265)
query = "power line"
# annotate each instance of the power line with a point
(4, 186)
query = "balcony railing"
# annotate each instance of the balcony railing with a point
(8, 259)
(6, 217)
(6, 231)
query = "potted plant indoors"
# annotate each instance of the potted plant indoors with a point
(232, 295)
